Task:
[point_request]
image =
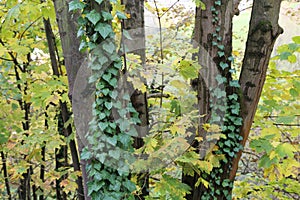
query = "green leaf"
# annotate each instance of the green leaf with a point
(285, 149)
(103, 60)
(76, 5)
(292, 58)
(223, 65)
(106, 77)
(93, 17)
(114, 94)
(188, 69)
(109, 47)
(103, 125)
(103, 29)
(115, 154)
(129, 185)
(296, 39)
(99, 1)
(106, 16)
(108, 105)
(218, 3)
(261, 145)
(234, 83)
(127, 35)
(221, 53)
(113, 82)
(294, 93)
(112, 140)
(121, 15)
(285, 55)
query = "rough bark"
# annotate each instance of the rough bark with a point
(208, 58)
(73, 59)
(263, 32)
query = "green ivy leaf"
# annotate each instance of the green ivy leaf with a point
(103, 29)
(113, 82)
(221, 53)
(121, 15)
(76, 5)
(106, 77)
(109, 47)
(115, 154)
(93, 17)
(106, 16)
(129, 185)
(108, 105)
(103, 125)
(99, 1)
(223, 65)
(112, 140)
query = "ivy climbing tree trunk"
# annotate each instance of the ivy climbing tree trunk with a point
(213, 33)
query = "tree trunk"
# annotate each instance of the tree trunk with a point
(135, 26)
(73, 59)
(263, 32)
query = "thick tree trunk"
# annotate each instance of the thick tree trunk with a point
(263, 32)
(205, 27)
(73, 59)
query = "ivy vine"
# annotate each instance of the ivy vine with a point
(109, 151)
(228, 104)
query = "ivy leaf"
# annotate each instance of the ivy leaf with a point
(113, 82)
(132, 132)
(76, 5)
(234, 83)
(103, 125)
(108, 105)
(112, 140)
(99, 1)
(109, 47)
(115, 154)
(106, 16)
(129, 185)
(121, 15)
(218, 3)
(127, 35)
(93, 17)
(106, 77)
(221, 53)
(103, 29)
(223, 65)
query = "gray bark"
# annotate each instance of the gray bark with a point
(72, 57)
(263, 32)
